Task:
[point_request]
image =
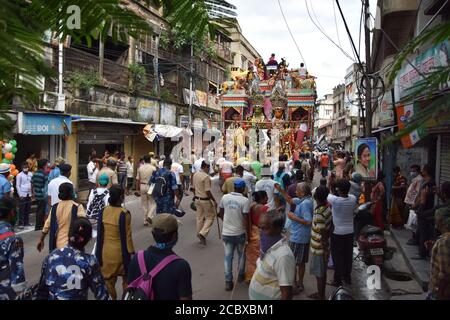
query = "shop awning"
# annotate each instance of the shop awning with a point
(108, 120)
(161, 131)
(383, 129)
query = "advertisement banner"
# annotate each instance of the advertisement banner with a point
(437, 56)
(366, 157)
(404, 113)
(202, 98)
(386, 110)
(44, 124)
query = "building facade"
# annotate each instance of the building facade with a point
(401, 21)
(112, 90)
(242, 51)
(323, 117)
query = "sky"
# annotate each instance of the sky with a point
(263, 25)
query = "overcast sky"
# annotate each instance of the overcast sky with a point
(263, 25)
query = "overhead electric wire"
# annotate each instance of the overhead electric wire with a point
(350, 36)
(335, 23)
(326, 35)
(290, 32)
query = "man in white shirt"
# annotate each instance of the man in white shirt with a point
(268, 185)
(275, 269)
(23, 186)
(53, 186)
(250, 178)
(234, 210)
(341, 241)
(177, 169)
(92, 171)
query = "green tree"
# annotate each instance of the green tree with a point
(23, 24)
(433, 86)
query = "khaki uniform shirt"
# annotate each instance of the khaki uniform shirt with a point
(63, 216)
(112, 175)
(228, 186)
(202, 184)
(144, 174)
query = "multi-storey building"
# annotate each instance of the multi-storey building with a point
(112, 90)
(397, 23)
(323, 118)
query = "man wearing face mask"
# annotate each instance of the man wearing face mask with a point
(275, 272)
(173, 282)
(412, 193)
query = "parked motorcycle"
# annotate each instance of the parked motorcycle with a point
(371, 242)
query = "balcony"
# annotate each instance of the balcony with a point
(223, 52)
(392, 6)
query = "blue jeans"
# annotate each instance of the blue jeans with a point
(232, 243)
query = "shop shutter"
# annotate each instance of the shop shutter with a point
(445, 158)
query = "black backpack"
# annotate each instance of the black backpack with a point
(97, 205)
(161, 185)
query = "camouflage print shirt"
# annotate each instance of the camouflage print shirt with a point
(68, 274)
(12, 276)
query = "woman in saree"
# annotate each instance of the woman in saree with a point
(378, 198)
(258, 208)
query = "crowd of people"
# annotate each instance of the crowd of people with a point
(272, 218)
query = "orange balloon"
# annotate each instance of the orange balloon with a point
(9, 156)
(12, 167)
(15, 172)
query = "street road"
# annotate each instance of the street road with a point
(207, 263)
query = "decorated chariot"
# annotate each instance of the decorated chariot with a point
(270, 98)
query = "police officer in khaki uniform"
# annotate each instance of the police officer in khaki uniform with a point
(143, 176)
(204, 201)
(153, 161)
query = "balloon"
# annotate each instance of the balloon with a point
(9, 156)
(12, 167)
(6, 161)
(13, 143)
(8, 147)
(14, 150)
(15, 172)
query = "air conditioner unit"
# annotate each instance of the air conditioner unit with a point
(53, 101)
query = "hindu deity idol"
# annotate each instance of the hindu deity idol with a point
(278, 118)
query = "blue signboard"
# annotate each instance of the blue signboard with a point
(45, 124)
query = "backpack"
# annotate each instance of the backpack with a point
(161, 185)
(141, 288)
(97, 205)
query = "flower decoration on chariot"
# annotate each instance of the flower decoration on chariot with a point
(257, 100)
(278, 101)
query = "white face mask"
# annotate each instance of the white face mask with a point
(413, 174)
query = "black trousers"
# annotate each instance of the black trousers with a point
(24, 210)
(425, 231)
(342, 254)
(40, 214)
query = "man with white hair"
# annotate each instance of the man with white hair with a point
(268, 185)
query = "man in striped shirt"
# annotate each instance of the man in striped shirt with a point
(39, 181)
(320, 233)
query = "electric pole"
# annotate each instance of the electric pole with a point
(368, 107)
(191, 96)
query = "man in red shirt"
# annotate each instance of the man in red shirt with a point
(324, 161)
